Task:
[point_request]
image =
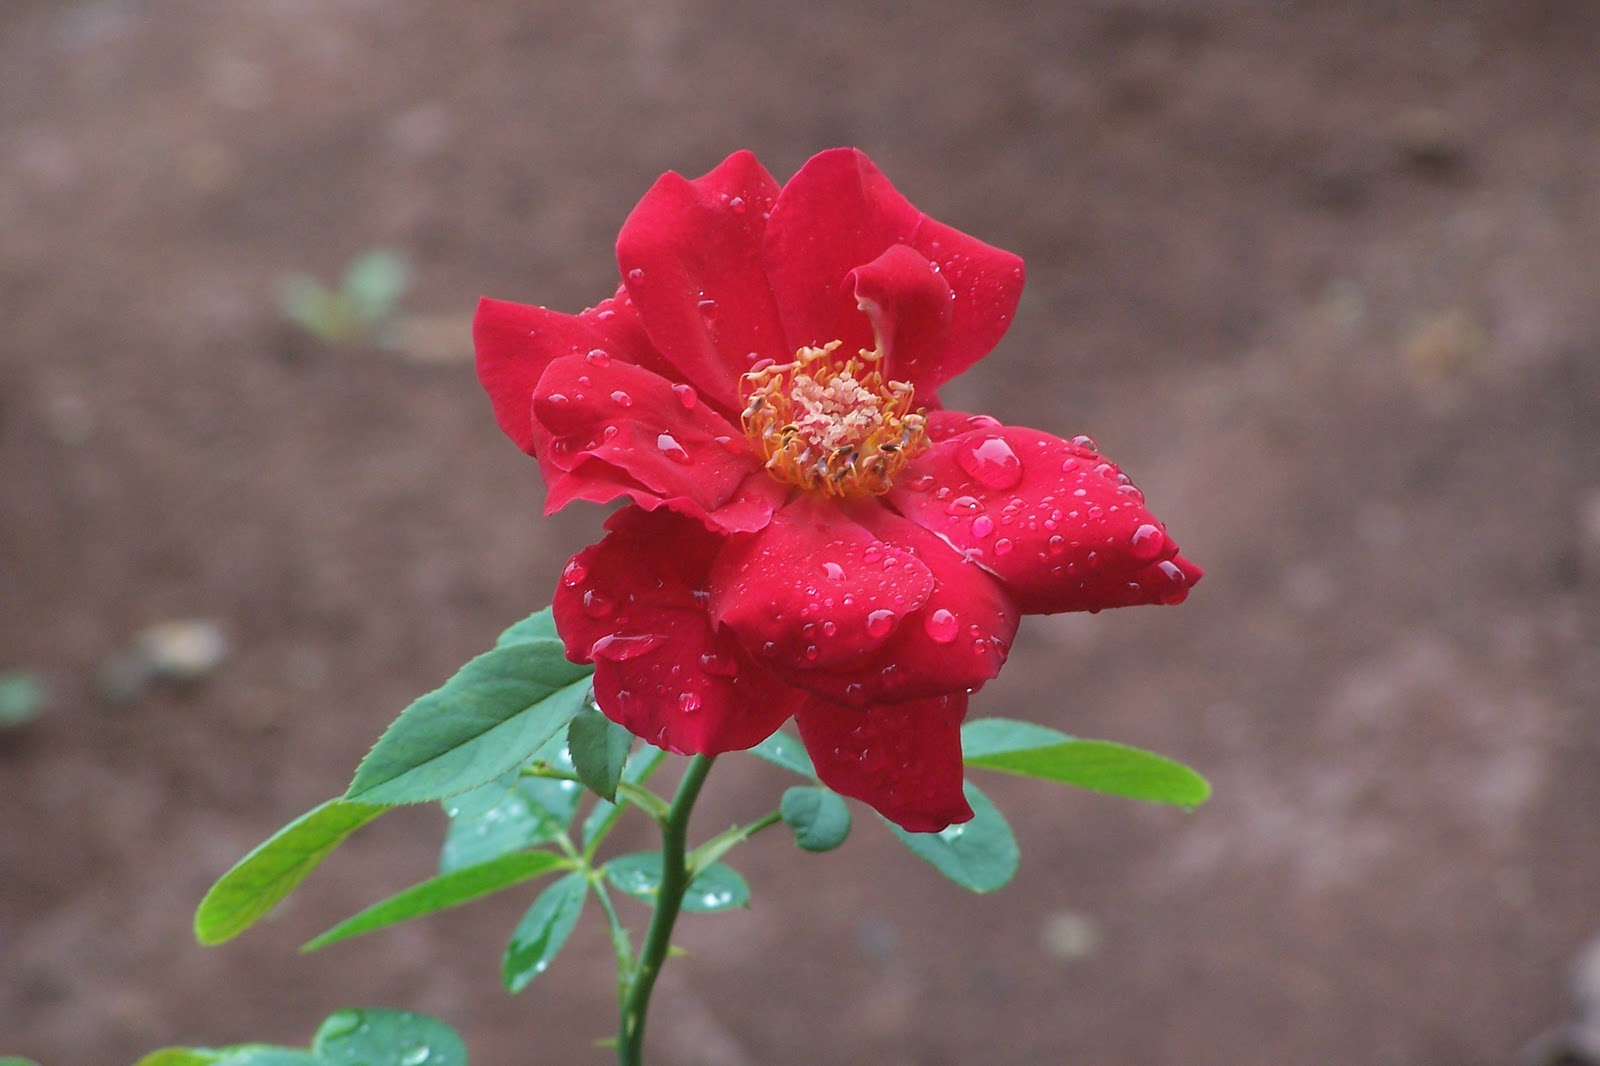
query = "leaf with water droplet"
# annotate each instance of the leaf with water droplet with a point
(259, 881)
(980, 855)
(819, 817)
(1030, 750)
(387, 1038)
(239, 1055)
(512, 813)
(781, 749)
(486, 720)
(718, 887)
(543, 931)
(440, 893)
(599, 750)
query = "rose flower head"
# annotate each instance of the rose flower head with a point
(809, 534)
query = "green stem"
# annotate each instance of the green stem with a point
(675, 876)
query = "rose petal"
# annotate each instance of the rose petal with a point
(1061, 526)
(633, 604)
(839, 213)
(908, 303)
(691, 258)
(903, 759)
(815, 592)
(515, 342)
(603, 431)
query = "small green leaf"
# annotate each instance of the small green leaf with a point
(543, 931)
(13, 1060)
(819, 817)
(781, 749)
(374, 283)
(980, 855)
(259, 881)
(167, 1056)
(540, 625)
(486, 720)
(22, 697)
(442, 892)
(268, 1056)
(1030, 750)
(599, 750)
(376, 1037)
(604, 815)
(715, 888)
(513, 813)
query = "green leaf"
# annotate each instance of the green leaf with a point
(486, 720)
(261, 1055)
(599, 821)
(22, 697)
(513, 813)
(1036, 751)
(259, 881)
(374, 283)
(781, 749)
(376, 1037)
(167, 1056)
(442, 892)
(980, 855)
(13, 1060)
(543, 931)
(819, 817)
(715, 888)
(599, 749)
(540, 625)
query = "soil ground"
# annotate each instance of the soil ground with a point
(1322, 276)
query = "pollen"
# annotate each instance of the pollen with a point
(830, 425)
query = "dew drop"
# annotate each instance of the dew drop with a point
(920, 484)
(668, 445)
(879, 623)
(1057, 545)
(598, 357)
(636, 276)
(992, 462)
(686, 396)
(574, 574)
(718, 665)
(1002, 546)
(707, 306)
(689, 702)
(621, 399)
(942, 626)
(416, 1055)
(618, 648)
(1148, 541)
(964, 505)
(736, 205)
(834, 571)
(559, 399)
(982, 526)
(829, 629)
(597, 604)
(1083, 440)
(607, 315)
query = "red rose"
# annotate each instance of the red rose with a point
(810, 534)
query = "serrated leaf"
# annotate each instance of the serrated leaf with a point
(259, 881)
(441, 893)
(540, 625)
(377, 1037)
(513, 813)
(599, 748)
(980, 855)
(485, 721)
(1030, 750)
(716, 888)
(781, 749)
(543, 931)
(819, 817)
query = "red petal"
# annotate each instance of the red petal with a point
(908, 303)
(839, 213)
(691, 258)
(633, 605)
(604, 430)
(1062, 527)
(902, 759)
(815, 593)
(515, 342)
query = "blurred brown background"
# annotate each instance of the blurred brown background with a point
(1322, 276)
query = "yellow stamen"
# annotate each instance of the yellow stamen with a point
(833, 427)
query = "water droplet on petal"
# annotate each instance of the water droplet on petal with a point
(718, 665)
(736, 205)
(879, 623)
(1002, 546)
(921, 483)
(689, 702)
(963, 505)
(942, 626)
(1057, 545)
(597, 604)
(621, 399)
(557, 398)
(834, 571)
(668, 445)
(636, 276)
(1148, 541)
(574, 574)
(1083, 440)
(686, 396)
(982, 526)
(619, 648)
(598, 357)
(992, 462)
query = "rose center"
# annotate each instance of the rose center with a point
(832, 425)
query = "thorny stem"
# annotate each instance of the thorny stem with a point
(675, 877)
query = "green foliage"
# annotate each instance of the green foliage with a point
(599, 821)
(22, 697)
(359, 311)
(13, 1060)
(715, 888)
(346, 1038)
(442, 892)
(515, 812)
(980, 855)
(599, 749)
(256, 884)
(485, 721)
(781, 749)
(819, 817)
(1035, 751)
(543, 931)
(540, 625)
